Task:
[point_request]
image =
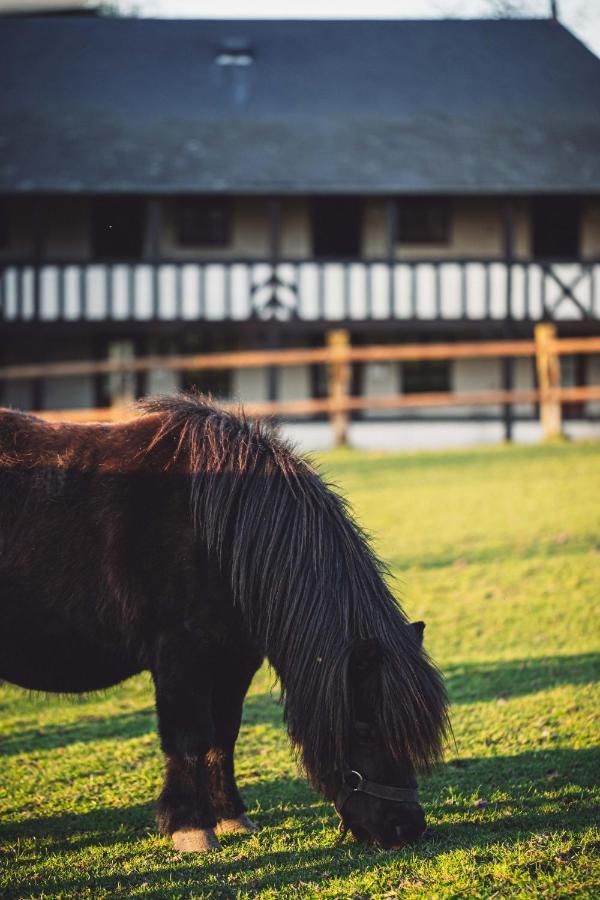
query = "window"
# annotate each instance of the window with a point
(423, 220)
(555, 226)
(117, 227)
(215, 382)
(430, 375)
(336, 227)
(204, 221)
(573, 373)
(120, 387)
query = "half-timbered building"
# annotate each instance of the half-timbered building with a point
(178, 186)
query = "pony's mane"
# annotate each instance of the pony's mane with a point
(307, 584)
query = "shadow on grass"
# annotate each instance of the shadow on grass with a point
(466, 682)
(499, 553)
(479, 682)
(98, 728)
(259, 708)
(546, 791)
(548, 770)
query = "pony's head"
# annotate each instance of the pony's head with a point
(375, 794)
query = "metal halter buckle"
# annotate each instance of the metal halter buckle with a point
(347, 776)
(353, 781)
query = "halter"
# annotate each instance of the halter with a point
(353, 781)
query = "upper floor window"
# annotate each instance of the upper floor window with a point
(555, 227)
(117, 227)
(336, 227)
(423, 220)
(204, 221)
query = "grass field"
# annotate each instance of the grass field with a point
(499, 551)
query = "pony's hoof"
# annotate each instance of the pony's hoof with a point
(195, 840)
(240, 825)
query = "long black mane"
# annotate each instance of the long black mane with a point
(306, 582)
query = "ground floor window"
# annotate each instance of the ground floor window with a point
(573, 373)
(120, 387)
(217, 383)
(427, 376)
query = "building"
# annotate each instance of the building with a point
(175, 186)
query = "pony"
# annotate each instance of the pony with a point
(192, 542)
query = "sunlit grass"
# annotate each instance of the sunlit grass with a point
(499, 551)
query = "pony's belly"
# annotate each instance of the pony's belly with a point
(63, 670)
(47, 657)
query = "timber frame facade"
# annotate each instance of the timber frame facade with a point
(125, 259)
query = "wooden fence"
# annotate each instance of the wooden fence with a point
(338, 355)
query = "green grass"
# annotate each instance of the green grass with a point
(499, 551)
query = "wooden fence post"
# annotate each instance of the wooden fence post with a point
(548, 369)
(338, 342)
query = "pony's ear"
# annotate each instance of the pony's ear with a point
(364, 656)
(418, 628)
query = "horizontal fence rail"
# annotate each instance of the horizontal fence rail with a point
(338, 356)
(307, 290)
(326, 405)
(249, 359)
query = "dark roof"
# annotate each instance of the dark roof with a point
(110, 104)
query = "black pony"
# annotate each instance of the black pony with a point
(193, 543)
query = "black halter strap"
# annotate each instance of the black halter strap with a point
(353, 781)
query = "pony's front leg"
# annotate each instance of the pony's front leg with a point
(183, 681)
(227, 701)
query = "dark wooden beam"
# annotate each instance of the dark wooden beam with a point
(38, 233)
(273, 376)
(508, 364)
(141, 378)
(391, 227)
(508, 229)
(100, 381)
(154, 247)
(275, 228)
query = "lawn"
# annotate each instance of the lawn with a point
(499, 551)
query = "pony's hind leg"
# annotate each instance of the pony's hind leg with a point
(183, 683)
(227, 701)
